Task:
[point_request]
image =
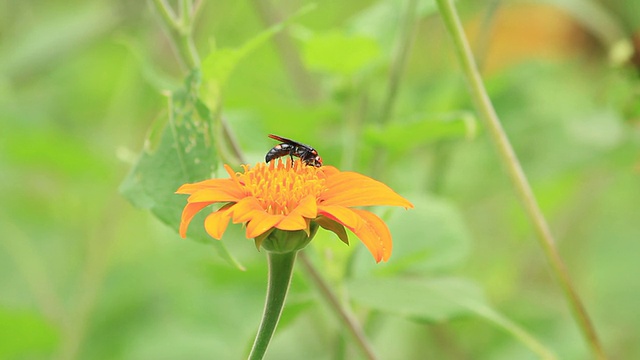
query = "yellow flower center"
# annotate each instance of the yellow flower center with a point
(280, 188)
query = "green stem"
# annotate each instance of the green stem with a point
(180, 33)
(398, 65)
(485, 33)
(302, 81)
(520, 182)
(399, 61)
(280, 271)
(180, 30)
(185, 11)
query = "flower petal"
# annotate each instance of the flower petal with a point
(353, 189)
(342, 215)
(261, 223)
(216, 223)
(245, 210)
(334, 227)
(188, 213)
(307, 208)
(212, 183)
(368, 227)
(232, 173)
(213, 195)
(375, 235)
(329, 170)
(292, 222)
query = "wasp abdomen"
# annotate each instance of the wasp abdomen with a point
(306, 153)
(279, 150)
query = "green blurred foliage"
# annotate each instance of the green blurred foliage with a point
(85, 90)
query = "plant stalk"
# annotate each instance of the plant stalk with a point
(279, 264)
(180, 31)
(302, 81)
(398, 65)
(280, 272)
(520, 182)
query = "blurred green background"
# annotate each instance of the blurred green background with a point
(85, 275)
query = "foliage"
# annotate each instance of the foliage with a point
(84, 274)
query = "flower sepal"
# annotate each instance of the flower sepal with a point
(284, 241)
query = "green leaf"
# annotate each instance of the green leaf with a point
(436, 300)
(429, 238)
(402, 135)
(180, 151)
(220, 63)
(338, 53)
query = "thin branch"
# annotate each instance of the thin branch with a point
(95, 269)
(232, 142)
(197, 5)
(180, 33)
(185, 11)
(405, 37)
(518, 178)
(302, 80)
(399, 60)
(32, 267)
(485, 32)
(167, 14)
(347, 318)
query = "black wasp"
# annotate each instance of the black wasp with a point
(293, 148)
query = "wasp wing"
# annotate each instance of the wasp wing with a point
(290, 142)
(283, 140)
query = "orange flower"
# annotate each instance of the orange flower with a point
(290, 196)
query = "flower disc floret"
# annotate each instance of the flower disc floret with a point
(279, 189)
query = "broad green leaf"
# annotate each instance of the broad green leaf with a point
(184, 153)
(25, 334)
(436, 300)
(401, 135)
(220, 63)
(338, 53)
(430, 238)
